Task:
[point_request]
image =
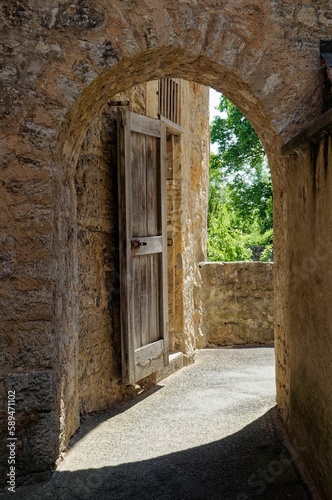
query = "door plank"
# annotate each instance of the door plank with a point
(125, 233)
(152, 175)
(163, 286)
(145, 298)
(145, 125)
(136, 302)
(138, 174)
(155, 298)
(172, 127)
(149, 359)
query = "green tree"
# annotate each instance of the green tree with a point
(240, 197)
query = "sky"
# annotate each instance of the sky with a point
(214, 101)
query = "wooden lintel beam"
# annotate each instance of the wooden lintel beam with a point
(320, 126)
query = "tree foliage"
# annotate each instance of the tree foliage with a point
(240, 198)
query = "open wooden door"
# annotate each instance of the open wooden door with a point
(143, 245)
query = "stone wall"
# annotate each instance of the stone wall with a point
(237, 302)
(309, 299)
(189, 227)
(61, 62)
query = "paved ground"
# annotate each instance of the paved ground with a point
(210, 431)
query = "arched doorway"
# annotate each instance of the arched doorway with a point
(91, 102)
(255, 55)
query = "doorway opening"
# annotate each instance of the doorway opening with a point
(240, 212)
(146, 294)
(98, 359)
(238, 290)
(142, 239)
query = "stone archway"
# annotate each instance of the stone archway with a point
(131, 71)
(264, 58)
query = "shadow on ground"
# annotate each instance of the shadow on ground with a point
(250, 464)
(90, 421)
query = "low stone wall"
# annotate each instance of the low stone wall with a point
(237, 302)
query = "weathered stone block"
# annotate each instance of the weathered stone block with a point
(36, 437)
(33, 391)
(4, 349)
(37, 133)
(105, 54)
(34, 345)
(27, 305)
(36, 441)
(71, 90)
(8, 256)
(73, 16)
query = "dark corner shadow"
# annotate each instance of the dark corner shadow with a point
(91, 420)
(250, 464)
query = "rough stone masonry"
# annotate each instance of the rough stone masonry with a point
(61, 61)
(237, 302)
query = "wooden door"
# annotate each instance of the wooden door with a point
(143, 245)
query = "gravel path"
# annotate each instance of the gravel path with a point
(210, 431)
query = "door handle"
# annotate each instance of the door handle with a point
(138, 243)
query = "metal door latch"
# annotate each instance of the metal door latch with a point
(138, 243)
